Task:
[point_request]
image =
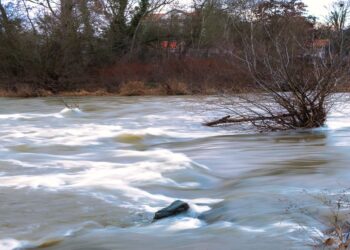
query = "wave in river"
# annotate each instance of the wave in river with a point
(97, 175)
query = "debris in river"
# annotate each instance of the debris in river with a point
(70, 106)
(49, 243)
(174, 208)
(338, 236)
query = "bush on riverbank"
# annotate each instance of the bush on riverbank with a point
(167, 77)
(93, 47)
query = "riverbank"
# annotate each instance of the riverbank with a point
(188, 76)
(134, 88)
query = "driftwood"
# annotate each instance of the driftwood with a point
(229, 119)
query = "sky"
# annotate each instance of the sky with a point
(318, 8)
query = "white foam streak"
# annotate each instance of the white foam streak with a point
(28, 116)
(185, 224)
(10, 244)
(127, 179)
(71, 111)
(339, 117)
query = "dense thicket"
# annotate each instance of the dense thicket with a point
(72, 45)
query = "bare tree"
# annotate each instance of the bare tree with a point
(337, 19)
(4, 20)
(125, 18)
(295, 74)
(145, 8)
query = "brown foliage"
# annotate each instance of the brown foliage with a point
(175, 76)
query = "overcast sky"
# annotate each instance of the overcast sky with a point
(318, 8)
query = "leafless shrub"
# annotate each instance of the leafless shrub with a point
(295, 74)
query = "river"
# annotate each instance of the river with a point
(92, 177)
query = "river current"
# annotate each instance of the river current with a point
(92, 177)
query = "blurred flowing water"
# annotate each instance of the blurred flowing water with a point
(92, 177)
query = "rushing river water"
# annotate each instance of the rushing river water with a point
(92, 178)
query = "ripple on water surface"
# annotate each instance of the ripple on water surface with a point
(92, 177)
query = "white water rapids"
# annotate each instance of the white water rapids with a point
(92, 177)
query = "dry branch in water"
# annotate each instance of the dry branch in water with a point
(228, 119)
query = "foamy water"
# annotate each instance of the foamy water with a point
(92, 177)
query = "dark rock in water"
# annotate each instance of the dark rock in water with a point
(174, 208)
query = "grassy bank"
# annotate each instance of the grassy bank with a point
(134, 88)
(167, 77)
(188, 76)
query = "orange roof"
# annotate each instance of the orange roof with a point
(320, 43)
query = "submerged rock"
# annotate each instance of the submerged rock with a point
(174, 208)
(222, 211)
(215, 215)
